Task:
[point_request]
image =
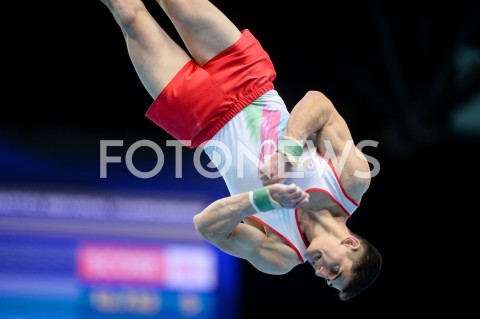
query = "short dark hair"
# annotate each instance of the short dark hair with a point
(367, 262)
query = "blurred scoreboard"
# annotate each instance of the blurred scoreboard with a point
(77, 254)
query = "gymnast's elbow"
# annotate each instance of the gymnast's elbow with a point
(204, 226)
(200, 225)
(214, 233)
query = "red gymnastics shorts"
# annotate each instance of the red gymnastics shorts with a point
(200, 100)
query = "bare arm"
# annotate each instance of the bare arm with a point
(315, 116)
(309, 116)
(221, 224)
(306, 120)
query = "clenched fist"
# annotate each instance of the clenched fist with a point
(275, 169)
(288, 196)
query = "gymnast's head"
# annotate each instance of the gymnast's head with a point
(350, 265)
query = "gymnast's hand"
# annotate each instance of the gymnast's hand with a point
(275, 169)
(288, 196)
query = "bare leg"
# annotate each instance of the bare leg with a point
(204, 29)
(155, 56)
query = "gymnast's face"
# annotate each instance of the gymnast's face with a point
(330, 261)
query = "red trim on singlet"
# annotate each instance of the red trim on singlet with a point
(305, 241)
(338, 179)
(320, 190)
(289, 243)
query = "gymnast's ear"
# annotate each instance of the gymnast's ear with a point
(351, 242)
